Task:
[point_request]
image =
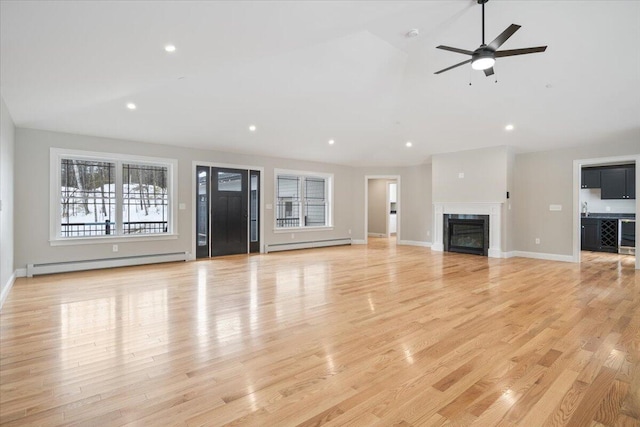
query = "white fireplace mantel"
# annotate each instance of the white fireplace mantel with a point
(494, 210)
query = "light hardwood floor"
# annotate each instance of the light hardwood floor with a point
(361, 335)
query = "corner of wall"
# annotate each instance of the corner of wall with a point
(6, 288)
(7, 184)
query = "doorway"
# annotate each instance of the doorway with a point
(600, 221)
(227, 211)
(382, 207)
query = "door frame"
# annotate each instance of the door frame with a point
(398, 204)
(577, 181)
(194, 188)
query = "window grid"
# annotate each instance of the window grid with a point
(87, 198)
(145, 200)
(301, 201)
(103, 197)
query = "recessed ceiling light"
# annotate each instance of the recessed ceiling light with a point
(131, 106)
(508, 127)
(412, 33)
(252, 128)
(331, 142)
(409, 144)
(170, 48)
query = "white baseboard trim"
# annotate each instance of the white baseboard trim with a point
(306, 245)
(415, 243)
(358, 242)
(7, 289)
(439, 247)
(69, 266)
(539, 255)
(510, 254)
(376, 235)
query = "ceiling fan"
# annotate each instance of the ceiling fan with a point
(485, 56)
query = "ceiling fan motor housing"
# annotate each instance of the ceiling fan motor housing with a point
(483, 58)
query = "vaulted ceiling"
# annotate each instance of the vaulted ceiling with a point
(306, 72)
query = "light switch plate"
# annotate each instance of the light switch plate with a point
(182, 206)
(269, 206)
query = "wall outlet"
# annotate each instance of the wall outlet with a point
(537, 240)
(115, 248)
(608, 208)
(269, 206)
(349, 231)
(182, 206)
(555, 207)
(460, 175)
(293, 235)
(428, 233)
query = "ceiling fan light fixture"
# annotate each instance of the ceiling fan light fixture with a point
(483, 63)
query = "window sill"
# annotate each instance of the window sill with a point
(62, 241)
(301, 229)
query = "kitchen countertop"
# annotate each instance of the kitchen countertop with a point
(609, 215)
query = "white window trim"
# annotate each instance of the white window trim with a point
(55, 157)
(328, 177)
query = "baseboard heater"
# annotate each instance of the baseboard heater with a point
(306, 245)
(64, 267)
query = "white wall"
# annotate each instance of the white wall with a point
(7, 149)
(32, 196)
(377, 207)
(484, 176)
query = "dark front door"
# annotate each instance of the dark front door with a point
(229, 212)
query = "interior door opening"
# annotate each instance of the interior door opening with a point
(605, 207)
(382, 207)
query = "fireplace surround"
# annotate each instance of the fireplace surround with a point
(493, 210)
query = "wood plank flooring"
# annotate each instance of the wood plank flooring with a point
(373, 335)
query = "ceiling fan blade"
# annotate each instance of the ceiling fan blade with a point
(453, 66)
(488, 72)
(524, 51)
(455, 49)
(495, 44)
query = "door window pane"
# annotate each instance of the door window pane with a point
(202, 219)
(253, 208)
(229, 181)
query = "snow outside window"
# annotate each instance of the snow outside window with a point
(102, 196)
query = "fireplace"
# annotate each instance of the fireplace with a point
(466, 233)
(478, 210)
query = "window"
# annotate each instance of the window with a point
(99, 195)
(145, 204)
(302, 200)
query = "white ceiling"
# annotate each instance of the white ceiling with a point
(307, 72)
